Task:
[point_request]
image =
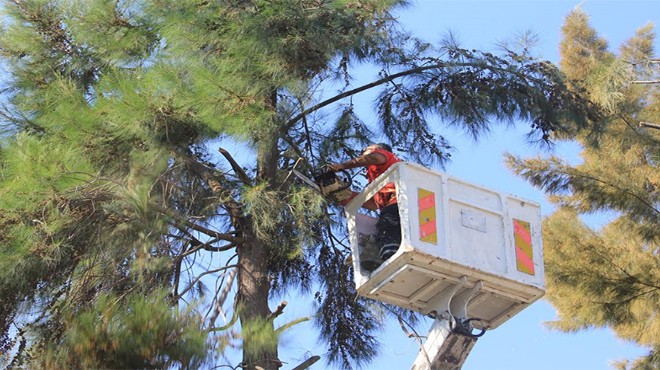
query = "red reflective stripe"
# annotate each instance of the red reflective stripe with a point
(426, 202)
(522, 232)
(426, 213)
(427, 228)
(523, 245)
(524, 259)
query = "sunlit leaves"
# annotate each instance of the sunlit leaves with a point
(134, 332)
(605, 277)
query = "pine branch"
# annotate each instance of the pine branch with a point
(368, 86)
(626, 300)
(307, 363)
(623, 191)
(192, 284)
(650, 125)
(183, 223)
(623, 270)
(236, 167)
(543, 181)
(536, 78)
(220, 300)
(278, 311)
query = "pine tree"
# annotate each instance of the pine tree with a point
(112, 191)
(607, 277)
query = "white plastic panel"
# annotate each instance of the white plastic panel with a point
(474, 237)
(452, 229)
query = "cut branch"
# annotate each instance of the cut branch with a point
(650, 125)
(223, 295)
(278, 311)
(307, 363)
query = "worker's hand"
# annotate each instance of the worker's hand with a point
(334, 167)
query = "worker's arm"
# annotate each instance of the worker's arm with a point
(367, 159)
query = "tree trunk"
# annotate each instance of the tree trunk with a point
(253, 288)
(259, 341)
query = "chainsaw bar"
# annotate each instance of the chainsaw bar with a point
(306, 180)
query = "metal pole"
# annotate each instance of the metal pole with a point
(449, 341)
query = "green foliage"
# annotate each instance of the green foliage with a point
(266, 206)
(607, 277)
(339, 328)
(36, 169)
(128, 333)
(270, 209)
(111, 194)
(581, 48)
(603, 279)
(116, 32)
(261, 334)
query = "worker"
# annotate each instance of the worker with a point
(377, 158)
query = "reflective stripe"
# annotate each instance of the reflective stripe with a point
(522, 231)
(523, 244)
(524, 262)
(428, 231)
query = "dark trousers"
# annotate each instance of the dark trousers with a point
(388, 231)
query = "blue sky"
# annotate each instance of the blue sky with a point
(523, 342)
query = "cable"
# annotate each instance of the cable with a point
(465, 328)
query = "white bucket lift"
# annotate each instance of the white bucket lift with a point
(466, 253)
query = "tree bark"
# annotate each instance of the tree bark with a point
(253, 287)
(267, 151)
(253, 282)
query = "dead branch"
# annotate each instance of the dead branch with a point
(199, 277)
(223, 295)
(236, 167)
(307, 363)
(650, 125)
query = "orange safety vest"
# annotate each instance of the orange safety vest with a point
(387, 195)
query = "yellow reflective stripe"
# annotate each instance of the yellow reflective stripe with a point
(427, 216)
(523, 244)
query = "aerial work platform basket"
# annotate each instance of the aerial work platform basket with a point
(467, 250)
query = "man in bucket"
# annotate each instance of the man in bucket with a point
(377, 158)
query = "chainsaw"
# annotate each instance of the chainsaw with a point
(329, 184)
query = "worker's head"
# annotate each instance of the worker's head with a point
(373, 147)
